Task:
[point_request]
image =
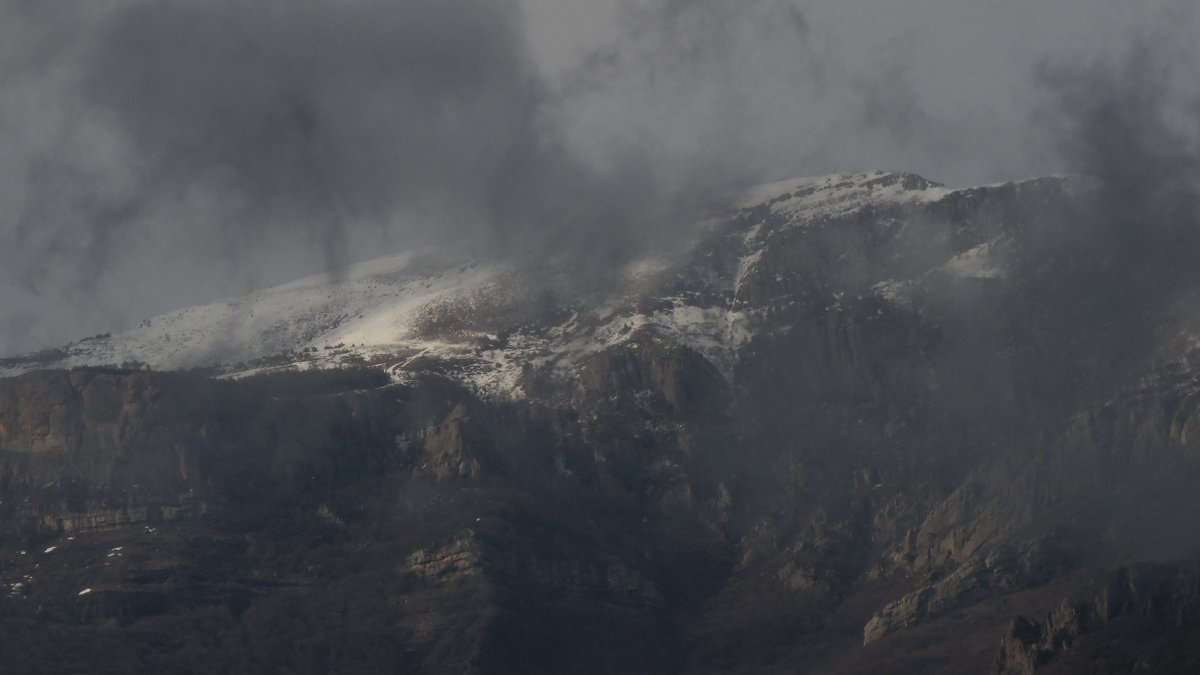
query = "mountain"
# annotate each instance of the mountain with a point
(860, 423)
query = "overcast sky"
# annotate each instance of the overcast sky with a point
(161, 153)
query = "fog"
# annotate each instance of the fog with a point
(158, 154)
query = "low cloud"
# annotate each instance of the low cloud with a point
(1121, 267)
(165, 153)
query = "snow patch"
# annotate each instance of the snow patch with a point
(812, 198)
(976, 263)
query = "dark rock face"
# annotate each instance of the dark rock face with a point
(1147, 600)
(466, 536)
(86, 449)
(917, 441)
(1007, 569)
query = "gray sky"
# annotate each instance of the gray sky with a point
(156, 154)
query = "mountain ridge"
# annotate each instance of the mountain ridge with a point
(859, 425)
(402, 304)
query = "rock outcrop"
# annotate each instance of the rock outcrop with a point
(1010, 568)
(1163, 598)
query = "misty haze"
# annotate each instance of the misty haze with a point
(612, 336)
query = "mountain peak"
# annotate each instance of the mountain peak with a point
(842, 188)
(486, 320)
(864, 408)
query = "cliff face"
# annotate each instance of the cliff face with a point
(85, 448)
(470, 535)
(858, 427)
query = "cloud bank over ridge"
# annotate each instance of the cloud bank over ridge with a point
(163, 153)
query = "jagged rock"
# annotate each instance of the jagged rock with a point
(451, 448)
(652, 375)
(450, 563)
(730, 461)
(1017, 655)
(1009, 568)
(1163, 596)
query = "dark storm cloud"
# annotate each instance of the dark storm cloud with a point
(891, 104)
(267, 140)
(298, 117)
(158, 154)
(1121, 268)
(716, 93)
(180, 143)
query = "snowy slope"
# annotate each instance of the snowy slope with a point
(393, 312)
(822, 196)
(374, 305)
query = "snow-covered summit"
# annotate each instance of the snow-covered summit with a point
(374, 303)
(407, 311)
(842, 192)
